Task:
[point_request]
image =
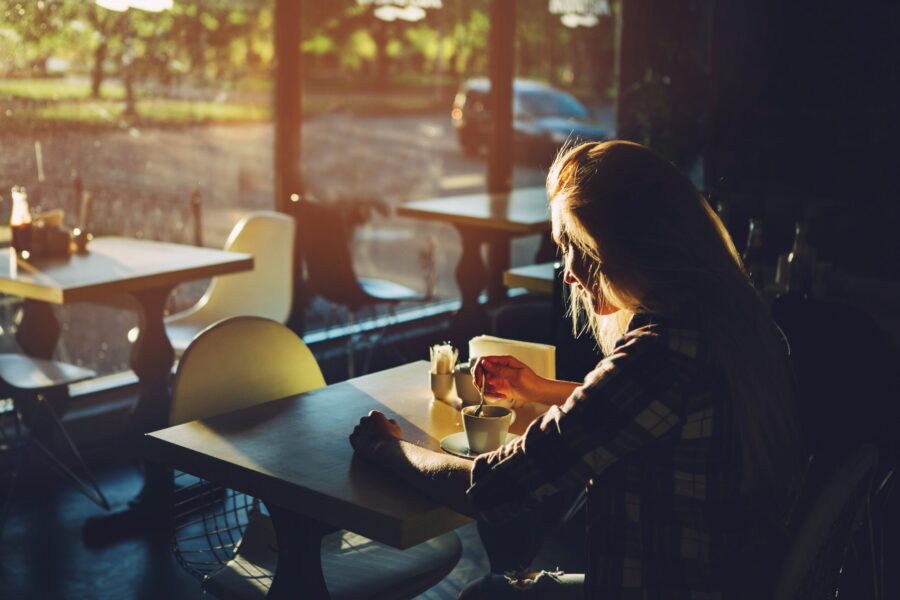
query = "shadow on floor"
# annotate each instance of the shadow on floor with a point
(42, 555)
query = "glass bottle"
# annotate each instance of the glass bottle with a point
(753, 254)
(801, 263)
(20, 220)
(724, 214)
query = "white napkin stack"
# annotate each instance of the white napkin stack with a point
(540, 357)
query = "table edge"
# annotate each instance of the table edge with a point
(99, 291)
(479, 222)
(515, 280)
(384, 528)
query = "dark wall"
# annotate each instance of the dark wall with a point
(802, 122)
(793, 106)
(662, 74)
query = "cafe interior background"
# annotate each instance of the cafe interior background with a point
(171, 120)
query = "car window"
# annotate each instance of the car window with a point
(548, 103)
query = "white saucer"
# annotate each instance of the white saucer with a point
(458, 445)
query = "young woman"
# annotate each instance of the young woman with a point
(684, 433)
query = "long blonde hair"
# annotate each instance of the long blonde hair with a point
(649, 243)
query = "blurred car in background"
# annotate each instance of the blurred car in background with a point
(544, 118)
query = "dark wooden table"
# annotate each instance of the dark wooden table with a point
(293, 454)
(534, 278)
(492, 219)
(115, 268)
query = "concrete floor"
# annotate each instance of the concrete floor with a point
(43, 555)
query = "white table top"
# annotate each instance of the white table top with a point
(523, 210)
(294, 452)
(113, 265)
(534, 278)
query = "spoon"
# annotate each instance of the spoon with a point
(481, 393)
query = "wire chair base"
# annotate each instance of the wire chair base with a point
(210, 521)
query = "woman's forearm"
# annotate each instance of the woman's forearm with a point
(554, 391)
(441, 477)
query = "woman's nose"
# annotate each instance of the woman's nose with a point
(568, 277)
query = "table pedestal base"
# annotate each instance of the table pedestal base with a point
(152, 358)
(472, 277)
(299, 569)
(38, 330)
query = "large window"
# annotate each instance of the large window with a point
(156, 114)
(146, 113)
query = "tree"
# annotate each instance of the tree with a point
(105, 24)
(41, 28)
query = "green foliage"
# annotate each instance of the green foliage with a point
(222, 44)
(53, 89)
(359, 47)
(318, 44)
(424, 41)
(154, 111)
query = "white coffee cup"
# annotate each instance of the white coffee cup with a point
(488, 430)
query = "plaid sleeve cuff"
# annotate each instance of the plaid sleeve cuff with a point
(632, 400)
(494, 493)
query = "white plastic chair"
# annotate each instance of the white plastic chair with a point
(266, 291)
(238, 362)
(224, 537)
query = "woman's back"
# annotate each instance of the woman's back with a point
(670, 519)
(651, 432)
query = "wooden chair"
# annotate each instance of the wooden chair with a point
(812, 568)
(266, 291)
(841, 355)
(226, 538)
(39, 392)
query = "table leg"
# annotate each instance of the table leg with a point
(471, 277)
(498, 263)
(547, 251)
(152, 358)
(298, 573)
(38, 331)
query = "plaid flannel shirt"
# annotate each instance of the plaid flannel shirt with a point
(650, 434)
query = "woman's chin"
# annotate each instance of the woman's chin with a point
(605, 310)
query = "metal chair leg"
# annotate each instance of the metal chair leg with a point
(90, 488)
(14, 447)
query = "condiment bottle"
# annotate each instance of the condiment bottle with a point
(724, 214)
(20, 220)
(801, 263)
(753, 254)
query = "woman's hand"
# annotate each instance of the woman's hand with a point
(507, 378)
(372, 430)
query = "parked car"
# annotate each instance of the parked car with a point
(543, 118)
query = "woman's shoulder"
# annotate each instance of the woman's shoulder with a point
(658, 349)
(649, 333)
(648, 352)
